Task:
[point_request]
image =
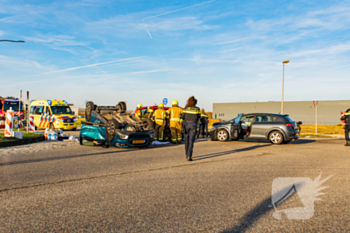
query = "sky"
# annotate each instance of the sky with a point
(142, 51)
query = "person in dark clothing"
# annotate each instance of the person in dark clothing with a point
(346, 119)
(202, 123)
(190, 117)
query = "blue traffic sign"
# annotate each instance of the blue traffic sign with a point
(165, 101)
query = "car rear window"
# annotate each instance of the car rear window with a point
(288, 119)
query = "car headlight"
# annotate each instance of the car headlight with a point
(122, 136)
(59, 119)
(151, 134)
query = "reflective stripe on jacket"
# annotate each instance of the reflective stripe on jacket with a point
(191, 114)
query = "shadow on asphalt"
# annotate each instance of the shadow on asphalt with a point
(58, 158)
(208, 156)
(299, 141)
(260, 210)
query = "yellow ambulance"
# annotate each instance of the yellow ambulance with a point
(53, 114)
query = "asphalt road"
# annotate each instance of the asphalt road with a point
(227, 188)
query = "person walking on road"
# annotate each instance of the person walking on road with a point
(346, 119)
(160, 120)
(138, 111)
(190, 118)
(175, 122)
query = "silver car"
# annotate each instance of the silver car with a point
(277, 128)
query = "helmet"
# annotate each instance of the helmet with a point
(175, 103)
(150, 110)
(139, 106)
(161, 106)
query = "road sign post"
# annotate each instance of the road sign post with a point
(315, 105)
(28, 109)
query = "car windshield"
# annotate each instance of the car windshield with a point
(237, 119)
(288, 119)
(61, 110)
(13, 105)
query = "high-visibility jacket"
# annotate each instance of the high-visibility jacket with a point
(191, 114)
(138, 113)
(175, 113)
(159, 116)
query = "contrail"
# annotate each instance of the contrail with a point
(169, 12)
(81, 67)
(147, 29)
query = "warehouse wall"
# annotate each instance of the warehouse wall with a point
(328, 111)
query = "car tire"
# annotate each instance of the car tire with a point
(81, 140)
(88, 110)
(74, 129)
(276, 137)
(222, 135)
(52, 126)
(122, 105)
(111, 126)
(149, 123)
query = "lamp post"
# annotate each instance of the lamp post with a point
(284, 62)
(14, 41)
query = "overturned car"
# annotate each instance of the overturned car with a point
(112, 125)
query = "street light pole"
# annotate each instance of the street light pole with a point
(282, 107)
(14, 41)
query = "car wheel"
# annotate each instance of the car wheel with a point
(122, 105)
(222, 135)
(88, 110)
(276, 137)
(81, 140)
(74, 129)
(52, 126)
(149, 123)
(111, 126)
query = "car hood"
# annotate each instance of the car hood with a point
(216, 124)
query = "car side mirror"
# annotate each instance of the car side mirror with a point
(299, 123)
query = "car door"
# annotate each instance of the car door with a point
(235, 127)
(245, 124)
(261, 125)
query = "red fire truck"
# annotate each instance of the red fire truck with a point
(17, 107)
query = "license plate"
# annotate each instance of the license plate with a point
(138, 142)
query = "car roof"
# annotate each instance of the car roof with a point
(264, 113)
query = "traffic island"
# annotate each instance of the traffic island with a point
(27, 138)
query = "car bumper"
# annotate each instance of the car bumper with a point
(293, 135)
(66, 125)
(128, 143)
(213, 135)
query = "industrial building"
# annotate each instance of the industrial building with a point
(328, 112)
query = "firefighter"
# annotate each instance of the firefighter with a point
(346, 119)
(160, 120)
(138, 111)
(174, 114)
(190, 117)
(148, 114)
(203, 124)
